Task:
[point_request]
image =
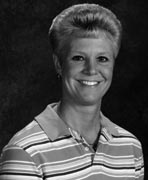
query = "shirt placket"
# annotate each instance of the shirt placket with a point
(86, 148)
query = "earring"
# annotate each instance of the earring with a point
(59, 76)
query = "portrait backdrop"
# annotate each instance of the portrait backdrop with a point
(28, 81)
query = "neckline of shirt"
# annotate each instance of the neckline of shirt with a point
(54, 127)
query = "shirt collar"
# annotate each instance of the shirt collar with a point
(51, 123)
(108, 128)
(54, 127)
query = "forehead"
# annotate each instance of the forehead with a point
(91, 46)
(82, 43)
(81, 40)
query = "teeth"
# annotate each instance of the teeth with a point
(89, 83)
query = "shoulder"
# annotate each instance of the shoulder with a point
(121, 138)
(34, 136)
(30, 135)
(118, 132)
(15, 161)
(125, 134)
(128, 140)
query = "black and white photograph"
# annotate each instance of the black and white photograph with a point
(73, 90)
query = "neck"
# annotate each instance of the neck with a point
(83, 119)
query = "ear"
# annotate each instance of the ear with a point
(57, 64)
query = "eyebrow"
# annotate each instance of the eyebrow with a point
(99, 53)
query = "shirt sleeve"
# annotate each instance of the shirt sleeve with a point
(16, 164)
(139, 165)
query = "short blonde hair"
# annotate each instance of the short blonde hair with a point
(84, 20)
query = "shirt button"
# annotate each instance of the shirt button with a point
(86, 149)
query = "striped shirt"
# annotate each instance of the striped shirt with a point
(47, 150)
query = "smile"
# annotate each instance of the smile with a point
(89, 83)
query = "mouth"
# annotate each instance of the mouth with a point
(89, 83)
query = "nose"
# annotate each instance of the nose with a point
(90, 67)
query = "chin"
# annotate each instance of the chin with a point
(90, 102)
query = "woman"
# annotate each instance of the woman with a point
(72, 139)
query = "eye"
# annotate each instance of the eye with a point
(78, 58)
(102, 59)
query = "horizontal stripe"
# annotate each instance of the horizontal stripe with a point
(20, 174)
(36, 144)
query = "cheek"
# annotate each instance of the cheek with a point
(71, 69)
(68, 73)
(108, 73)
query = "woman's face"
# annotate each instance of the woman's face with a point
(87, 70)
